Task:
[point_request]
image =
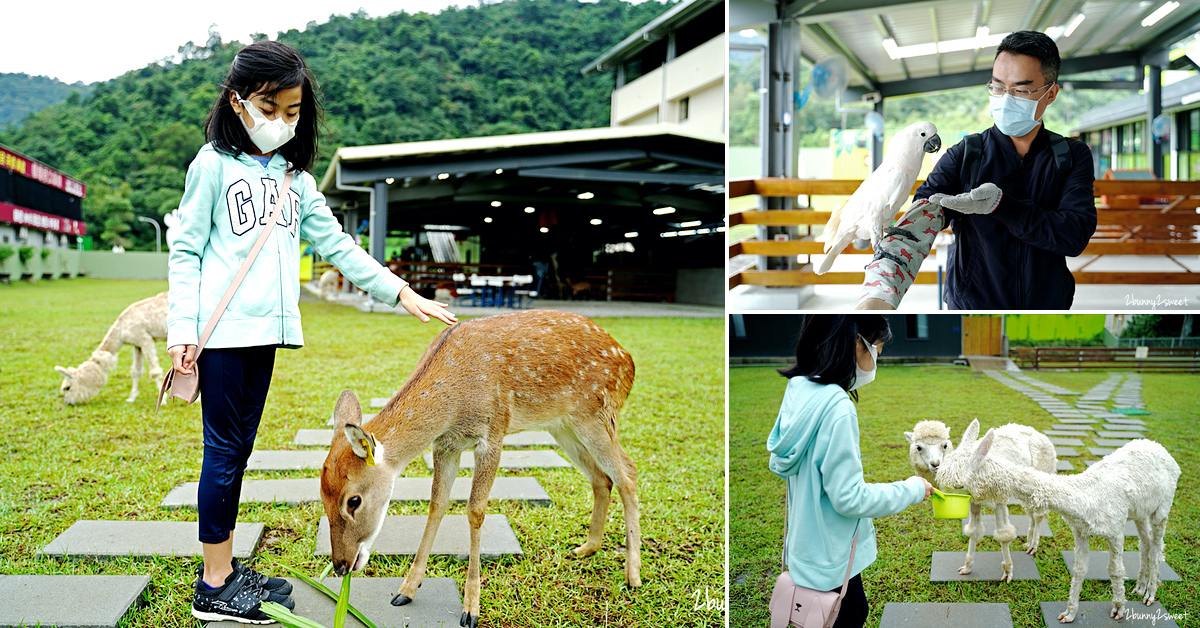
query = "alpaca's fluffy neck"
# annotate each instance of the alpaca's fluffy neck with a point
(112, 340)
(1060, 493)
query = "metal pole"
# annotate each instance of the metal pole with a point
(1154, 149)
(157, 233)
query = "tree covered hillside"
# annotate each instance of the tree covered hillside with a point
(509, 67)
(21, 94)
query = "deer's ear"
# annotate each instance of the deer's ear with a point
(363, 444)
(68, 373)
(347, 411)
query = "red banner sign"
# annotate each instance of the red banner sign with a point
(21, 164)
(46, 222)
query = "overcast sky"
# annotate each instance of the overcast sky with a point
(96, 40)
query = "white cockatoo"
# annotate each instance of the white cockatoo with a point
(875, 203)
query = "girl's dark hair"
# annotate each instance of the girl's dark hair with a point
(266, 67)
(826, 351)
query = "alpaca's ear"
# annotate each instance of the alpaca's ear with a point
(971, 434)
(981, 451)
(68, 373)
(908, 437)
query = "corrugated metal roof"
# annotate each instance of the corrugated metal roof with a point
(1134, 107)
(656, 29)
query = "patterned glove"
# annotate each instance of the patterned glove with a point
(982, 200)
(899, 255)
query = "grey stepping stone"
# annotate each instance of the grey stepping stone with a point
(1111, 442)
(1061, 452)
(1076, 424)
(944, 567)
(1066, 433)
(1063, 465)
(307, 490)
(1107, 416)
(945, 615)
(366, 417)
(1020, 522)
(1096, 615)
(1122, 427)
(379, 402)
(1090, 462)
(401, 536)
(112, 539)
(1071, 427)
(267, 460)
(533, 438)
(75, 601)
(1067, 441)
(1098, 564)
(1111, 434)
(1101, 451)
(437, 603)
(526, 459)
(1121, 420)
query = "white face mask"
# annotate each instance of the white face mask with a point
(266, 134)
(861, 377)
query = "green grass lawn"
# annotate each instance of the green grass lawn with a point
(111, 460)
(899, 398)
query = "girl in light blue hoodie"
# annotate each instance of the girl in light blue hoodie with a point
(263, 125)
(814, 446)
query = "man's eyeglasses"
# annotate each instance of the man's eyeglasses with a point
(1016, 92)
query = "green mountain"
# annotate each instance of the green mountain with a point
(508, 67)
(21, 94)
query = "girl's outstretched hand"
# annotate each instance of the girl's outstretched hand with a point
(423, 308)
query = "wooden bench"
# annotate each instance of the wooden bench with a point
(1158, 360)
(1154, 229)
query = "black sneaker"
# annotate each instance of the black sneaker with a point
(237, 600)
(278, 586)
(279, 597)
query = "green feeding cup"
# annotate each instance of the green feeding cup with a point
(950, 505)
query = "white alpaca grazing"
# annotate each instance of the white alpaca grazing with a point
(928, 443)
(327, 286)
(1135, 482)
(1016, 445)
(139, 325)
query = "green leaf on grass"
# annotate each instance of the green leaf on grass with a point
(333, 596)
(339, 617)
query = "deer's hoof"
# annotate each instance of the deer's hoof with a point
(468, 620)
(401, 600)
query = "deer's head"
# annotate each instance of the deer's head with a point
(356, 487)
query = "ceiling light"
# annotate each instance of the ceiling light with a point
(596, 221)
(586, 196)
(1160, 13)
(1074, 24)
(487, 219)
(661, 211)
(748, 33)
(443, 176)
(499, 170)
(982, 39)
(703, 230)
(669, 234)
(389, 180)
(691, 223)
(495, 203)
(631, 234)
(544, 230)
(687, 232)
(528, 210)
(721, 228)
(1054, 32)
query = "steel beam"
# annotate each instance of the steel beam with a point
(359, 175)
(621, 176)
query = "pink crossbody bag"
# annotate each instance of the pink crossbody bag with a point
(187, 387)
(794, 605)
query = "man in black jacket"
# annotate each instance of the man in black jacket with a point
(1012, 237)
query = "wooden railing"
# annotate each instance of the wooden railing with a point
(1164, 226)
(1158, 360)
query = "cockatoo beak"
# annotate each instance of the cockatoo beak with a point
(933, 144)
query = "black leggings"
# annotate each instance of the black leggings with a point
(854, 605)
(233, 389)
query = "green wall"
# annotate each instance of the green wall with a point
(1054, 326)
(127, 265)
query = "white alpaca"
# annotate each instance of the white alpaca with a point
(139, 325)
(1135, 482)
(928, 443)
(328, 284)
(1017, 445)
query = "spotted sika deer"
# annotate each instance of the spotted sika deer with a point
(478, 381)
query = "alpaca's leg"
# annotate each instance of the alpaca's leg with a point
(1116, 574)
(1035, 523)
(974, 530)
(1081, 567)
(1145, 551)
(1005, 533)
(150, 353)
(1159, 529)
(135, 373)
